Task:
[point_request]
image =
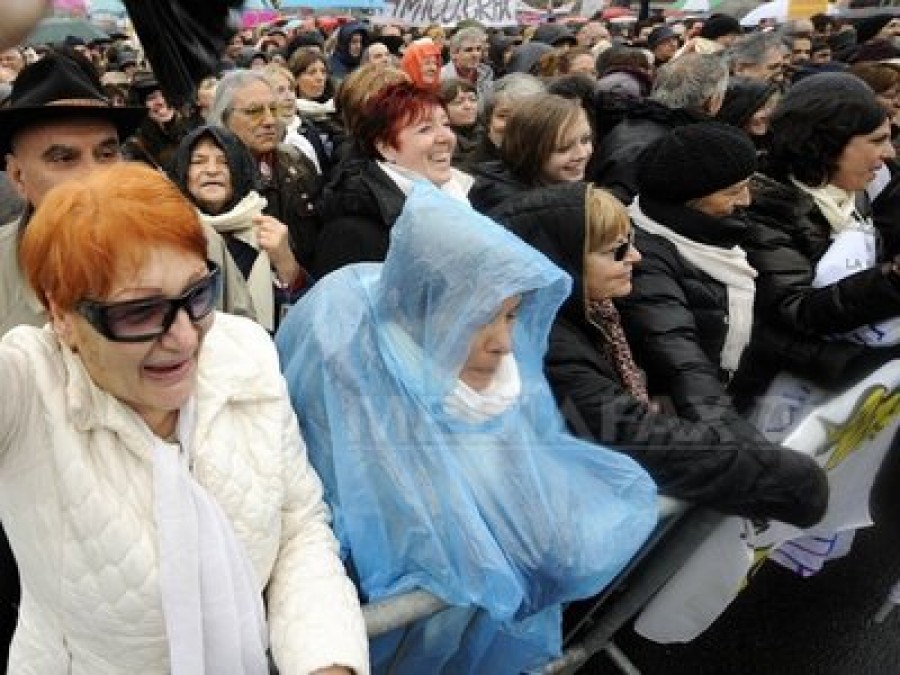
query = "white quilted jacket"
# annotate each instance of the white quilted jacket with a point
(76, 502)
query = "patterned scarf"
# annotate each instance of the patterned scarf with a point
(604, 315)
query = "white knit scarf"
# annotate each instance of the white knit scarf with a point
(477, 407)
(728, 267)
(314, 109)
(836, 204)
(238, 222)
(211, 599)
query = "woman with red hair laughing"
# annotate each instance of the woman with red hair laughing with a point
(403, 137)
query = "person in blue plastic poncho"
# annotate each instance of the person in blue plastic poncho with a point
(419, 387)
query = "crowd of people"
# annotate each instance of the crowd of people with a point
(390, 308)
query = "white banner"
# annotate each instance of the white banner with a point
(849, 437)
(450, 12)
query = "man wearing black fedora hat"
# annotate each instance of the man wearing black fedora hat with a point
(58, 127)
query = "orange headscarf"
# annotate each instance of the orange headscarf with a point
(413, 60)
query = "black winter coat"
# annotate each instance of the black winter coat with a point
(359, 207)
(494, 186)
(788, 236)
(676, 317)
(614, 162)
(729, 467)
(886, 213)
(291, 192)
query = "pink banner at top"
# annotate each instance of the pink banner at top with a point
(257, 17)
(78, 7)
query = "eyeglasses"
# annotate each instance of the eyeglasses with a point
(149, 318)
(257, 113)
(621, 250)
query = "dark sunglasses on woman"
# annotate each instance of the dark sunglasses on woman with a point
(148, 318)
(621, 250)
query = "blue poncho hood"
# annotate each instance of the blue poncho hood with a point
(505, 519)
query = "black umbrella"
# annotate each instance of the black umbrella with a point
(183, 40)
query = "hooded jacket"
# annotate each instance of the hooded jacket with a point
(505, 516)
(342, 63)
(724, 464)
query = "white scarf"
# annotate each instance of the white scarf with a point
(836, 204)
(463, 402)
(457, 187)
(477, 407)
(238, 223)
(727, 266)
(212, 604)
(314, 109)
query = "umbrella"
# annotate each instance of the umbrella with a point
(776, 9)
(56, 30)
(183, 40)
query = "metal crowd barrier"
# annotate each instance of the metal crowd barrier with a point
(680, 530)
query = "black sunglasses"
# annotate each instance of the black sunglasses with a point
(148, 318)
(621, 250)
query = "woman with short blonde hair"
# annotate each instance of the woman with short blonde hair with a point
(723, 464)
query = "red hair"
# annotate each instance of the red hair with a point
(392, 109)
(84, 234)
(411, 64)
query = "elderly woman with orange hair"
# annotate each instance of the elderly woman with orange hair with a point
(153, 483)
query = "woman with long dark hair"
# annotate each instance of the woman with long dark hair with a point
(830, 138)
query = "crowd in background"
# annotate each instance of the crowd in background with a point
(686, 209)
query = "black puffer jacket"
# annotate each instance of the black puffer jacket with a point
(359, 207)
(788, 235)
(676, 318)
(886, 212)
(725, 466)
(614, 162)
(494, 185)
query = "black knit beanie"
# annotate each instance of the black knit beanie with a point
(743, 98)
(824, 88)
(694, 161)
